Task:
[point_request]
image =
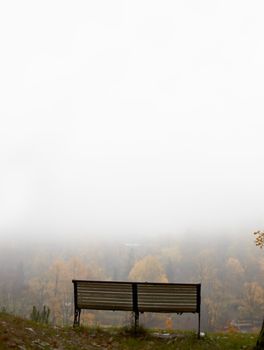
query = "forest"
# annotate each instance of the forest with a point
(230, 268)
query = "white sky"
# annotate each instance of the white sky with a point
(131, 116)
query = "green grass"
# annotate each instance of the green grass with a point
(18, 333)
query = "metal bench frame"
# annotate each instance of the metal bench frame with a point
(135, 295)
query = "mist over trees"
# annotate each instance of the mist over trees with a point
(230, 270)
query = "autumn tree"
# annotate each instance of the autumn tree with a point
(252, 300)
(54, 286)
(234, 283)
(259, 241)
(170, 258)
(213, 290)
(148, 269)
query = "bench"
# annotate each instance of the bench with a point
(137, 297)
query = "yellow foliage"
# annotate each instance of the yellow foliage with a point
(88, 318)
(254, 293)
(54, 287)
(148, 269)
(232, 329)
(259, 238)
(169, 323)
(234, 265)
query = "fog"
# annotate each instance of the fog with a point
(131, 118)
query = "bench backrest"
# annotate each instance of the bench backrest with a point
(168, 297)
(99, 295)
(137, 296)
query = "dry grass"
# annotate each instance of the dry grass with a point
(18, 333)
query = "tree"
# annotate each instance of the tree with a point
(259, 241)
(252, 301)
(170, 258)
(148, 269)
(213, 300)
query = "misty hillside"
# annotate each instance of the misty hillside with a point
(230, 271)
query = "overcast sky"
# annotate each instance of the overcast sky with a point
(131, 116)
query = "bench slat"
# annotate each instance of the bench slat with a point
(168, 310)
(168, 289)
(108, 301)
(102, 285)
(151, 299)
(106, 307)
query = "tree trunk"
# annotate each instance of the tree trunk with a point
(260, 341)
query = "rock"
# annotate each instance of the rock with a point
(30, 329)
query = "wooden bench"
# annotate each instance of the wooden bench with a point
(137, 297)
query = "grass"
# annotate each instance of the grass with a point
(18, 333)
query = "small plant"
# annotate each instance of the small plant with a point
(3, 310)
(40, 316)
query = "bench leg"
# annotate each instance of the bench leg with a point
(136, 313)
(77, 314)
(199, 325)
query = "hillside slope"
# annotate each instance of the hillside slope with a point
(18, 333)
